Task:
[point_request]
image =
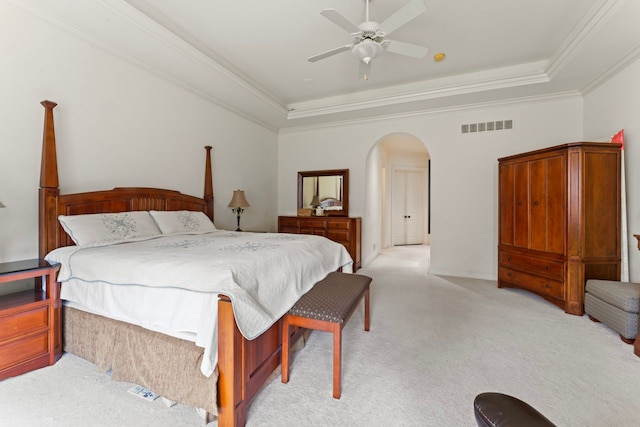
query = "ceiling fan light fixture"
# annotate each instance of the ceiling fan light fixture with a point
(366, 50)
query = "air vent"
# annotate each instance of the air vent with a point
(486, 126)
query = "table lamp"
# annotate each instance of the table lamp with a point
(237, 204)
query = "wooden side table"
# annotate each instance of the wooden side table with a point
(30, 334)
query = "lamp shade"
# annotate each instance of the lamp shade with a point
(1, 205)
(315, 201)
(239, 200)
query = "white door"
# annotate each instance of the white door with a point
(407, 209)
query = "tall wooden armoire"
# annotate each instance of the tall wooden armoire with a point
(559, 220)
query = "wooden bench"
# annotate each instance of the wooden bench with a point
(327, 307)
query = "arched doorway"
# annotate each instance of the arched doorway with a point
(398, 193)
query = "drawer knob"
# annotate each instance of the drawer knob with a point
(536, 203)
(547, 267)
(510, 274)
(548, 286)
(509, 258)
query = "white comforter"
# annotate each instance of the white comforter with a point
(263, 274)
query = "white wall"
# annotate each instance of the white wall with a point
(116, 125)
(613, 106)
(463, 176)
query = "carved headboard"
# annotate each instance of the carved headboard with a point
(52, 203)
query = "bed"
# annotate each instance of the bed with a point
(165, 362)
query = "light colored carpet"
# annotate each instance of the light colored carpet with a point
(435, 343)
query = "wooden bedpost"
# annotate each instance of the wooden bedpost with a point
(208, 183)
(49, 191)
(48, 211)
(232, 405)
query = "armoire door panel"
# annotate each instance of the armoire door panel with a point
(556, 204)
(538, 205)
(601, 189)
(521, 199)
(506, 204)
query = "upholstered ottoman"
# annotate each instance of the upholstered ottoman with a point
(502, 410)
(615, 304)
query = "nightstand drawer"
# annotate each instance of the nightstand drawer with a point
(24, 322)
(23, 350)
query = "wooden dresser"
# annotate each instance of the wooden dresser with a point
(559, 220)
(337, 228)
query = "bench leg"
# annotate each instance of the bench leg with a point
(285, 349)
(337, 359)
(366, 310)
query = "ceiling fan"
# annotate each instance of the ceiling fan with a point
(369, 37)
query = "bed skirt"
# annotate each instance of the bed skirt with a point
(166, 365)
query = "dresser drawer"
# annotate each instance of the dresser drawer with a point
(340, 236)
(553, 269)
(293, 230)
(23, 350)
(23, 322)
(314, 231)
(309, 223)
(538, 284)
(288, 222)
(338, 225)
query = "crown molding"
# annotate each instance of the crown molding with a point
(629, 59)
(439, 110)
(596, 17)
(501, 78)
(160, 34)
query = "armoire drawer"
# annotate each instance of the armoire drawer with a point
(538, 284)
(554, 269)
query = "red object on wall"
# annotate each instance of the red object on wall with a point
(618, 138)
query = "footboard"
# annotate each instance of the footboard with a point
(243, 365)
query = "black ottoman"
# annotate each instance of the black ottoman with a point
(501, 410)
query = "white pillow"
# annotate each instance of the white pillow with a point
(171, 222)
(108, 228)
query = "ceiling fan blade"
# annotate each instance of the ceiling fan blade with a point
(408, 49)
(330, 53)
(342, 22)
(364, 70)
(403, 15)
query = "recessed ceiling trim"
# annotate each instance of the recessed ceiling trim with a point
(65, 25)
(613, 70)
(470, 83)
(438, 110)
(164, 35)
(597, 16)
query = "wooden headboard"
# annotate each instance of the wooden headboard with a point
(52, 203)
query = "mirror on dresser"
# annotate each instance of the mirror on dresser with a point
(326, 189)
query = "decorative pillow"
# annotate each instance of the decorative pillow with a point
(171, 222)
(108, 228)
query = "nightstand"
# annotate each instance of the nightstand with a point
(30, 334)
